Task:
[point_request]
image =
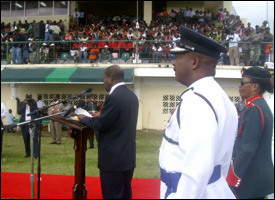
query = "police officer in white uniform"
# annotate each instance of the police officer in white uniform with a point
(198, 141)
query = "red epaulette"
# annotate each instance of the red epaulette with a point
(249, 103)
(232, 179)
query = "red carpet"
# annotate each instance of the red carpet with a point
(18, 186)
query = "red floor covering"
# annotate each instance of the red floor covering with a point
(18, 186)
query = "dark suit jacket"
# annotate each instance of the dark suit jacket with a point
(252, 151)
(117, 131)
(22, 111)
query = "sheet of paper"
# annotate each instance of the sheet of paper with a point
(81, 111)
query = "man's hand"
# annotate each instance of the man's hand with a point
(80, 117)
(25, 102)
(95, 114)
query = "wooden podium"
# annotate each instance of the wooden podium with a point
(80, 133)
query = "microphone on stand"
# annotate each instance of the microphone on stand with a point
(85, 91)
(82, 93)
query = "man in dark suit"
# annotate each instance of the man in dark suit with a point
(117, 134)
(24, 108)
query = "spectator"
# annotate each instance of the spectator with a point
(17, 48)
(101, 29)
(105, 54)
(56, 30)
(268, 37)
(264, 25)
(233, 48)
(255, 47)
(166, 52)
(157, 52)
(10, 118)
(252, 30)
(32, 47)
(74, 53)
(84, 38)
(246, 47)
(52, 53)
(71, 23)
(25, 46)
(94, 53)
(44, 52)
(49, 29)
(40, 103)
(83, 53)
(68, 36)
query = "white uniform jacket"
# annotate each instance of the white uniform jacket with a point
(201, 139)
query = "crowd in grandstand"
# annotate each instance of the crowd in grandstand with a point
(108, 38)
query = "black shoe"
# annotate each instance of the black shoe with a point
(91, 147)
(26, 156)
(35, 157)
(52, 143)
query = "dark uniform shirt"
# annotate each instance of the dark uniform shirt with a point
(252, 173)
(93, 106)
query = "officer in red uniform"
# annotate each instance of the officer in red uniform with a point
(252, 172)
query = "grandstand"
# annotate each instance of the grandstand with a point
(87, 37)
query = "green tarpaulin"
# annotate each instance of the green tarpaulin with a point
(59, 75)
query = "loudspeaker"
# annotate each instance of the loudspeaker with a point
(39, 31)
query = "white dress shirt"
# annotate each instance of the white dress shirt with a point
(235, 39)
(3, 110)
(115, 86)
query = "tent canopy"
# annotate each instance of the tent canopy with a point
(59, 75)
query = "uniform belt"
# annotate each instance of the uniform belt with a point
(171, 180)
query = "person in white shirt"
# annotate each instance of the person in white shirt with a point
(74, 53)
(197, 145)
(157, 52)
(10, 118)
(83, 52)
(234, 56)
(49, 29)
(40, 103)
(3, 115)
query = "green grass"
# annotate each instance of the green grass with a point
(59, 159)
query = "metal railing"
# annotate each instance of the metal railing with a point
(117, 51)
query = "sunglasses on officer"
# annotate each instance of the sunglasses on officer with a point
(246, 82)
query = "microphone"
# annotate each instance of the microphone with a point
(82, 93)
(85, 91)
(71, 110)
